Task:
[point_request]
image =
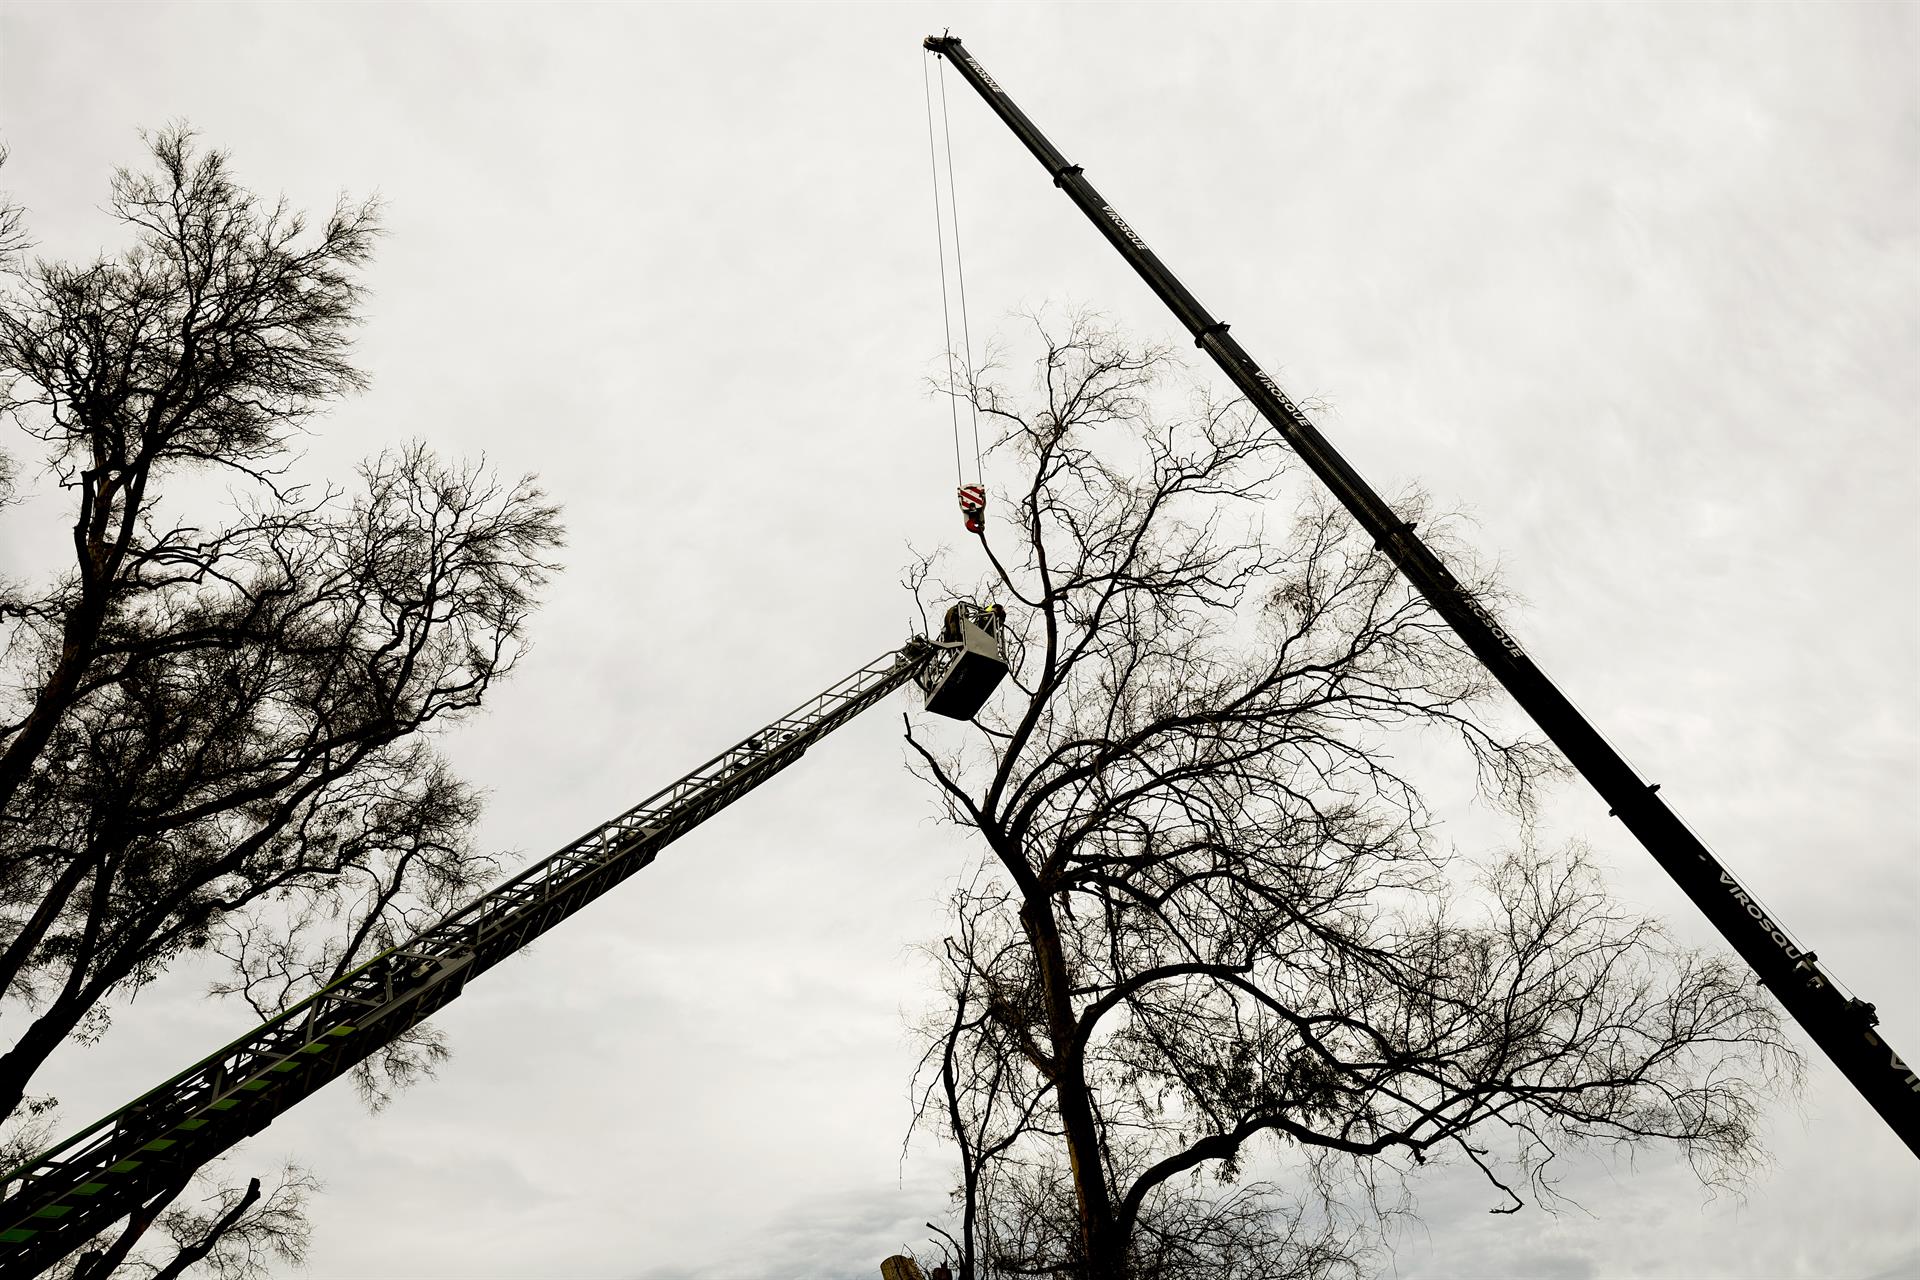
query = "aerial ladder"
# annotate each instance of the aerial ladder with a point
(149, 1148)
(1841, 1025)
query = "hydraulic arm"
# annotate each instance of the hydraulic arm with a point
(151, 1146)
(1842, 1027)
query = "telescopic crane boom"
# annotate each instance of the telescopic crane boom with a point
(1841, 1026)
(70, 1193)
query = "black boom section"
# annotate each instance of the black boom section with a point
(72, 1192)
(1842, 1027)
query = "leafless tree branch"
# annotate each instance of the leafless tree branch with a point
(1219, 923)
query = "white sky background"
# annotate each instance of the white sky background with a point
(1638, 287)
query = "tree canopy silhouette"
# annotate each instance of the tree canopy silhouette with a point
(1214, 929)
(213, 722)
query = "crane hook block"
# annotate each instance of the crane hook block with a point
(971, 662)
(973, 507)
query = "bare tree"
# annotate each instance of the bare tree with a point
(212, 737)
(232, 1233)
(1214, 929)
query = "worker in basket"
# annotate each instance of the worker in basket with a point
(973, 507)
(991, 619)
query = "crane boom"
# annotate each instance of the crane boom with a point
(1841, 1026)
(70, 1193)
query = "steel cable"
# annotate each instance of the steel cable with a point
(940, 245)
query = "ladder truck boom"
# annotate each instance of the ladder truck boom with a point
(1842, 1027)
(70, 1193)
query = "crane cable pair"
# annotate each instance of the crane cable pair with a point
(973, 497)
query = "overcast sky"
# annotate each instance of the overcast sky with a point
(1638, 287)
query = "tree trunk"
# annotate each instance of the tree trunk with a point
(192, 1253)
(20, 950)
(45, 1034)
(1104, 1260)
(100, 1264)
